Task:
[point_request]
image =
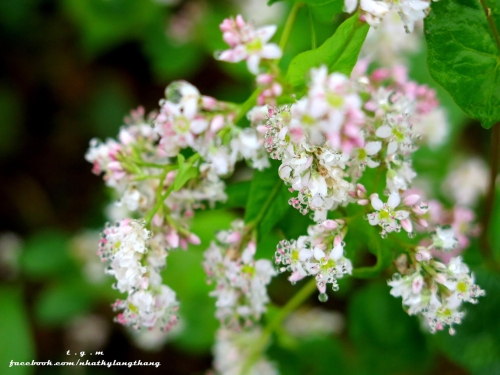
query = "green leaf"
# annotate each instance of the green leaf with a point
(464, 57)
(185, 173)
(46, 254)
(339, 52)
(17, 342)
(59, 303)
(381, 250)
(237, 195)
(268, 199)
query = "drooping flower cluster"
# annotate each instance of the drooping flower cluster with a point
(436, 291)
(319, 254)
(125, 247)
(240, 281)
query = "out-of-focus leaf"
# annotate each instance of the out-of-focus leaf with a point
(108, 104)
(104, 24)
(476, 343)
(325, 13)
(381, 330)
(17, 342)
(380, 250)
(494, 233)
(339, 52)
(463, 55)
(268, 199)
(237, 194)
(171, 60)
(61, 302)
(46, 254)
(184, 274)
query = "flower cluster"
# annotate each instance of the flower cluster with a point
(233, 349)
(248, 43)
(125, 247)
(240, 280)
(374, 11)
(319, 254)
(436, 291)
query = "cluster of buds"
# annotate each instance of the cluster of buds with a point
(240, 279)
(319, 254)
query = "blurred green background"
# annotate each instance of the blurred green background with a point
(70, 70)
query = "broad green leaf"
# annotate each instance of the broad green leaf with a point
(464, 57)
(381, 250)
(17, 342)
(237, 194)
(339, 52)
(388, 341)
(268, 199)
(46, 254)
(59, 303)
(185, 173)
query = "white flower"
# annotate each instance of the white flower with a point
(386, 215)
(444, 239)
(248, 43)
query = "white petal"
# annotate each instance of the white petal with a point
(384, 131)
(394, 200)
(318, 253)
(372, 148)
(392, 147)
(377, 204)
(337, 252)
(253, 62)
(271, 51)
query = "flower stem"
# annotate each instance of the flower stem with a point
(297, 300)
(490, 197)
(285, 35)
(247, 105)
(491, 22)
(313, 30)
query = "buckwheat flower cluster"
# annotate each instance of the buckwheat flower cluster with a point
(240, 280)
(319, 254)
(374, 11)
(436, 291)
(188, 119)
(125, 247)
(387, 45)
(232, 350)
(248, 43)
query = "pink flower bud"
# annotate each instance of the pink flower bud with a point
(363, 202)
(217, 123)
(330, 224)
(194, 239)
(423, 223)
(172, 239)
(234, 237)
(407, 225)
(411, 200)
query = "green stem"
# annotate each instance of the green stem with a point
(491, 22)
(285, 35)
(313, 30)
(270, 198)
(248, 105)
(490, 196)
(297, 300)
(159, 203)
